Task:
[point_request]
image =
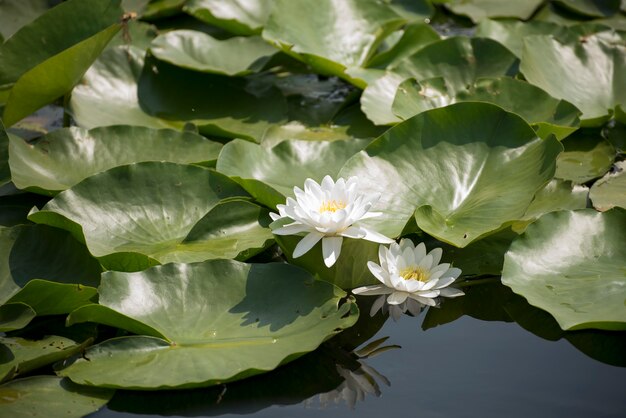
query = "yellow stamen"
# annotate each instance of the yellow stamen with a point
(415, 273)
(332, 206)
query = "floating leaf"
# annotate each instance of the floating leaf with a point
(416, 169)
(107, 94)
(15, 316)
(586, 156)
(19, 356)
(412, 10)
(413, 37)
(550, 116)
(245, 17)
(242, 111)
(201, 52)
(331, 36)
(233, 320)
(64, 157)
(571, 264)
(592, 8)
(15, 14)
(478, 10)
(147, 208)
(511, 33)
(610, 190)
(45, 396)
(5, 171)
(589, 72)
(270, 173)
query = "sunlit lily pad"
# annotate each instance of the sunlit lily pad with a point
(107, 94)
(416, 169)
(550, 116)
(201, 52)
(331, 36)
(460, 61)
(269, 173)
(511, 33)
(589, 72)
(64, 157)
(413, 37)
(571, 264)
(586, 156)
(232, 320)
(610, 190)
(19, 356)
(478, 10)
(243, 17)
(46, 396)
(147, 208)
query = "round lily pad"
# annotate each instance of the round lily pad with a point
(571, 264)
(223, 320)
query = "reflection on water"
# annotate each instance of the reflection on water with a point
(464, 358)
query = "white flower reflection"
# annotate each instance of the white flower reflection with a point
(410, 278)
(328, 212)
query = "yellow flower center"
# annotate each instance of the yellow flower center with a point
(415, 273)
(332, 206)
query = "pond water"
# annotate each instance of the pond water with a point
(466, 368)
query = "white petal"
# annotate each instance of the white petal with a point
(275, 216)
(426, 262)
(413, 306)
(331, 248)
(423, 300)
(377, 271)
(369, 215)
(375, 289)
(436, 253)
(428, 293)
(327, 183)
(451, 292)
(291, 229)
(444, 281)
(397, 298)
(382, 257)
(375, 236)
(439, 270)
(420, 251)
(307, 243)
(453, 272)
(377, 305)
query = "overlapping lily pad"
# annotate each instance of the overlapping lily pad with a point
(331, 36)
(147, 208)
(270, 173)
(592, 8)
(589, 72)
(44, 396)
(243, 17)
(463, 170)
(571, 264)
(610, 190)
(63, 158)
(478, 10)
(550, 116)
(586, 156)
(223, 321)
(201, 52)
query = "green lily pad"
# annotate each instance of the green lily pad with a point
(64, 157)
(412, 10)
(478, 10)
(331, 36)
(157, 9)
(592, 8)
(46, 396)
(147, 208)
(244, 110)
(201, 52)
(74, 21)
(571, 264)
(589, 72)
(107, 94)
(610, 190)
(414, 167)
(349, 272)
(511, 33)
(548, 115)
(458, 60)
(15, 316)
(15, 14)
(586, 156)
(19, 356)
(269, 174)
(240, 17)
(5, 170)
(46, 268)
(413, 37)
(233, 320)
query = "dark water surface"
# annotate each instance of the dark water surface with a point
(467, 368)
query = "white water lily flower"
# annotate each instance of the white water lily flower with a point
(328, 212)
(406, 271)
